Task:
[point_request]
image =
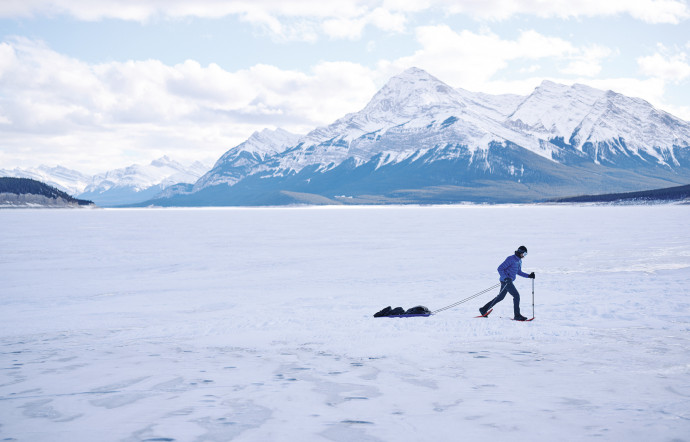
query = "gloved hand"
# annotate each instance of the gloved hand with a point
(507, 280)
(532, 275)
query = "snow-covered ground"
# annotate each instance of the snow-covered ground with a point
(256, 324)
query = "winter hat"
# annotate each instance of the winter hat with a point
(522, 250)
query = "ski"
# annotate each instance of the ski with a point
(526, 320)
(485, 315)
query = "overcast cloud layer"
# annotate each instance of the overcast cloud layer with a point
(60, 107)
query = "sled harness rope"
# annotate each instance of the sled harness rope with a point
(466, 299)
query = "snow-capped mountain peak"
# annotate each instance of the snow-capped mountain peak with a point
(166, 161)
(403, 98)
(410, 92)
(415, 111)
(261, 144)
(409, 101)
(635, 127)
(160, 172)
(603, 123)
(556, 109)
(236, 163)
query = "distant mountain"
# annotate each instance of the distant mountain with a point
(421, 141)
(131, 184)
(670, 194)
(138, 183)
(25, 192)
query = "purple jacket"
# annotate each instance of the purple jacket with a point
(511, 267)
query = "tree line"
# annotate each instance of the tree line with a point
(21, 186)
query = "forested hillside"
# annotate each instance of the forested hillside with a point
(25, 187)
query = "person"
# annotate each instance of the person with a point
(508, 271)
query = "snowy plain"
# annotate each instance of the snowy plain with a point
(256, 324)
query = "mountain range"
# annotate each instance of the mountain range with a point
(129, 185)
(421, 141)
(140, 182)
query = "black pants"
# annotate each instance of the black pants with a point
(506, 287)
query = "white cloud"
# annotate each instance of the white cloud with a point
(588, 62)
(387, 20)
(51, 103)
(306, 19)
(7, 57)
(650, 11)
(673, 68)
(531, 69)
(303, 20)
(352, 28)
(657, 11)
(471, 60)
(344, 28)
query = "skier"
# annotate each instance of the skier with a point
(511, 267)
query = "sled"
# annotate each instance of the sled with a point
(407, 316)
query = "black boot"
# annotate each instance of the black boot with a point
(485, 309)
(519, 317)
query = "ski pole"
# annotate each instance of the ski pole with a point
(532, 298)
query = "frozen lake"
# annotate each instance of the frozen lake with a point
(256, 324)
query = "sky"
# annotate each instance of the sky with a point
(97, 85)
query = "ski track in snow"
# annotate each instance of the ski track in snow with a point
(256, 324)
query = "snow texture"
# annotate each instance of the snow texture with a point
(256, 324)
